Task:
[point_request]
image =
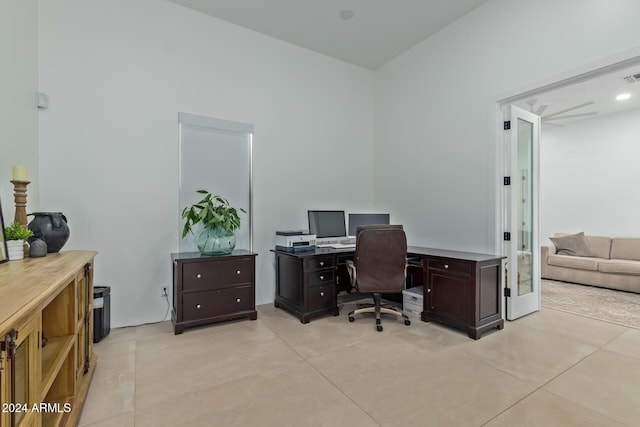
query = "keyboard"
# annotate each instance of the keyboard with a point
(343, 245)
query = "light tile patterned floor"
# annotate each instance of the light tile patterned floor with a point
(547, 369)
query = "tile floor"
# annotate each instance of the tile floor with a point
(547, 369)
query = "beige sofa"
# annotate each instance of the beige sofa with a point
(602, 261)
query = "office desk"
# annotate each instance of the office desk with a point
(461, 289)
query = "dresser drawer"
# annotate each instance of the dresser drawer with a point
(216, 274)
(320, 262)
(321, 297)
(449, 266)
(206, 304)
(321, 277)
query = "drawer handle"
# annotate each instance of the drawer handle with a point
(198, 276)
(428, 290)
(237, 299)
(321, 294)
(237, 271)
(321, 277)
(446, 266)
(197, 305)
(321, 263)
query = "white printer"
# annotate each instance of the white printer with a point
(295, 241)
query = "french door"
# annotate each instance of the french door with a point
(521, 213)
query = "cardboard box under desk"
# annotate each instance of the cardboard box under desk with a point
(412, 301)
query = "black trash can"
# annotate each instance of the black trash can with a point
(101, 312)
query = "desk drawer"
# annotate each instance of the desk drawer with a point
(216, 274)
(321, 297)
(206, 304)
(449, 266)
(321, 277)
(320, 262)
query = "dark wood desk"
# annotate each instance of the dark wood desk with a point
(461, 289)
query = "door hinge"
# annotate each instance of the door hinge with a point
(507, 292)
(507, 180)
(9, 344)
(507, 236)
(507, 124)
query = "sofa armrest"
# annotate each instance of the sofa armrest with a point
(545, 251)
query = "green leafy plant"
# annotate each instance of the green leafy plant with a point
(212, 212)
(16, 231)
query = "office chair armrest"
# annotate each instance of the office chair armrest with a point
(351, 269)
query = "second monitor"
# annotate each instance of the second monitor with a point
(356, 220)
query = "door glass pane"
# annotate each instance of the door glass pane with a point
(524, 194)
(22, 377)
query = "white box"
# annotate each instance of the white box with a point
(412, 301)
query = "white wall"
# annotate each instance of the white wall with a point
(589, 177)
(435, 106)
(18, 111)
(118, 72)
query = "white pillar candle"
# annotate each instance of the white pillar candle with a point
(19, 173)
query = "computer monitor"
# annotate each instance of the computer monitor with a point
(356, 220)
(327, 224)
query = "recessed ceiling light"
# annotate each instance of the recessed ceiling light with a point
(346, 14)
(623, 96)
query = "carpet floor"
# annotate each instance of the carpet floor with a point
(622, 308)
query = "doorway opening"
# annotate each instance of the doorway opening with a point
(572, 105)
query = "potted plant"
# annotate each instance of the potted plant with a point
(16, 234)
(218, 221)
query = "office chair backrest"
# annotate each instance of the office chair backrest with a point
(381, 258)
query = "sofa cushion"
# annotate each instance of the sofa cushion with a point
(571, 261)
(601, 246)
(572, 244)
(619, 267)
(625, 248)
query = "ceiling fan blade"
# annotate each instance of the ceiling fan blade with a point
(570, 116)
(570, 109)
(541, 109)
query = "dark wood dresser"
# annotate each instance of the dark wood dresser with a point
(210, 289)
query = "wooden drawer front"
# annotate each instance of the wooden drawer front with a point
(455, 267)
(321, 277)
(320, 262)
(206, 304)
(216, 274)
(321, 297)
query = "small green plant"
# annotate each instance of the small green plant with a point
(212, 212)
(17, 232)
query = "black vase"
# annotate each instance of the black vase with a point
(52, 228)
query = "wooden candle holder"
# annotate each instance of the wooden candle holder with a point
(20, 197)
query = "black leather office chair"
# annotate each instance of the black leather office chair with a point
(379, 267)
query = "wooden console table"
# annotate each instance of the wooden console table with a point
(46, 345)
(462, 289)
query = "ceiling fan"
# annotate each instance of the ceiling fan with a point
(558, 115)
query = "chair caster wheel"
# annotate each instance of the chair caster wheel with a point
(352, 319)
(407, 322)
(379, 328)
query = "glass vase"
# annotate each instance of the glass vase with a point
(215, 241)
